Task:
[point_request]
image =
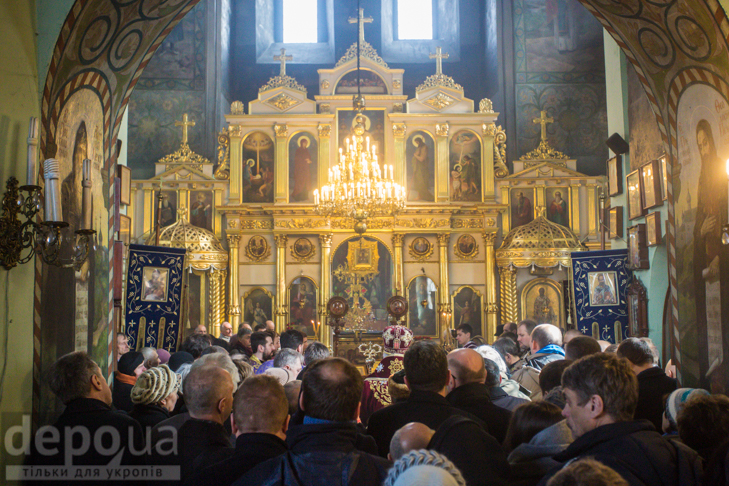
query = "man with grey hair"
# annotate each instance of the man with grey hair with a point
(546, 346)
(226, 331)
(151, 358)
(314, 351)
(221, 360)
(289, 359)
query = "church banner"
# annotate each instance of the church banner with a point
(153, 296)
(600, 280)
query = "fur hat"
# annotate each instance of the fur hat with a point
(154, 385)
(426, 468)
(129, 362)
(397, 339)
(677, 399)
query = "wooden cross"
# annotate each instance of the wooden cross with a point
(361, 20)
(283, 58)
(184, 124)
(543, 120)
(438, 60)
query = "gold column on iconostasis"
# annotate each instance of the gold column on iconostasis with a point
(492, 307)
(442, 163)
(397, 241)
(233, 299)
(509, 310)
(325, 132)
(217, 298)
(487, 158)
(324, 288)
(443, 292)
(575, 202)
(399, 130)
(592, 210)
(281, 311)
(236, 184)
(149, 205)
(281, 171)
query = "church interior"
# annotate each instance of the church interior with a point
(190, 162)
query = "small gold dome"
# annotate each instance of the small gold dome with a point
(204, 250)
(541, 243)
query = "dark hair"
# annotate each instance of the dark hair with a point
(493, 374)
(292, 339)
(506, 345)
(315, 350)
(510, 335)
(243, 332)
(528, 420)
(258, 338)
(69, 378)
(195, 344)
(259, 327)
(703, 423)
(551, 374)
(204, 386)
(530, 325)
(426, 366)
(510, 325)
(260, 405)
(465, 328)
(331, 390)
(581, 346)
(636, 351)
(587, 472)
(608, 377)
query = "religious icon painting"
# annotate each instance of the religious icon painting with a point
(615, 175)
(168, 210)
(637, 248)
(422, 299)
(369, 83)
(558, 205)
(465, 166)
(650, 179)
(155, 284)
(303, 167)
(420, 248)
(522, 206)
(653, 229)
(258, 248)
(664, 177)
(257, 306)
(420, 161)
(201, 209)
(302, 250)
(258, 165)
(635, 199)
(125, 229)
(602, 288)
(541, 301)
(616, 222)
(302, 305)
(374, 128)
(466, 305)
(466, 247)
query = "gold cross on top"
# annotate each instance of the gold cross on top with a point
(283, 58)
(184, 124)
(438, 60)
(361, 20)
(543, 120)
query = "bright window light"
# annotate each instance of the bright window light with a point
(414, 19)
(299, 21)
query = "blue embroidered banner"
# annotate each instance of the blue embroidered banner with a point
(600, 280)
(153, 296)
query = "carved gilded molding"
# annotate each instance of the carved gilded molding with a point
(485, 106)
(472, 223)
(488, 129)
(397, 239)
(423, 223)
(223, 170)
(466, 247)
(256, 224)
(325, 240)
(441, 129)
(440, 101)
(421, 249)
(325, 108)
(280, 240)
(325, 131)
(233, 241)
(489, 238)
(443, 238)
(237, 108)
(282, 130)
(302, 250)
(399, 130)
(325, 84)
(258, 248)
(396, 84)
(235, 131)
(301, 223)
(282, 102)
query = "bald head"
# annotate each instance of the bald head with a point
(204, 387)
(570, 334)
(466, 366)
(544, 335)
(410, 437)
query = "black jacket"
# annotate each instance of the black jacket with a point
(92, 414)
(121, 395)
(474, 398)
(482, 461)
(250, 451)
(501, 399)
(320, 454)
(540, 360)
(149, 415)
(638, 453)
(428, 408)
(653, 385)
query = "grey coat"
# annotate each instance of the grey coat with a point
(529, 462)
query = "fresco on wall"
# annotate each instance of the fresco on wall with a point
(522, 207)
(258, 168)
(645, 137)
(420, 157)
(700, 192)
(303, 167)
(74, 304)
(465, 166)
(558, 207)
(257, 306)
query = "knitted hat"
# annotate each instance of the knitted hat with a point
(178, 359)
(154, 385)
(428, 468)
(164, 356)
(129, 362)
(397, 339)
(676, 401)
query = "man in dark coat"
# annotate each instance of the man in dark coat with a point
(546, 346)
(601, 393)
(128, 369)
(653, 383)
(323, 450)
(77, 381)
(469, 393)
(260, 421)
(208, 393)
(426, 375)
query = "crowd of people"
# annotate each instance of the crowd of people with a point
(538, 407)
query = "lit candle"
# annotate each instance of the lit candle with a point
(316, 192)
(33, 152)
(392, 173)
(368, 144)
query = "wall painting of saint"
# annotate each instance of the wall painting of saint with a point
(257, 306)
(201, 209)
(303, 167)
(422, 298)
(467, 309)
(558, 206)
(522, 206)
(420, 160)
(374, 125)
(258, 165)
(465, 166)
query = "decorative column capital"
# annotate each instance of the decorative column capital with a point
(488, 129)
(441, 129)
(280, 240)
(325, 130)
(399, 130)
(492, 308)
(282, 130)
(397, 240)
(325, 240)
(443, 238)
(233, 241)
(489, 238)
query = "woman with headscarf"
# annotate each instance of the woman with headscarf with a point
(154, 396)
(130, 366)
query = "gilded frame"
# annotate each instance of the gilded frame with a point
(482, 169)
(525, 293)
(381, 151)
(480, 313)
(258, 256)
(566, 195)
(420, 256)
(305, 257)
(312, 136)
(248, 294)
(458, 248)
(316, 303)
(435, 303)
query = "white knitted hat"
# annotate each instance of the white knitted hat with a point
(154, 385)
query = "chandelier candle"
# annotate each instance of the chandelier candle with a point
(53, 191)
(33, 151)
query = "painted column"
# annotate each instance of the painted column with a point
(492, 307)
(397, 241)
(324, 135)
(399, 130)
(233, 299)
(281, 171)
(509, 312)
(441, 161)
(281, 311)
(443, 291)
(325, 289)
